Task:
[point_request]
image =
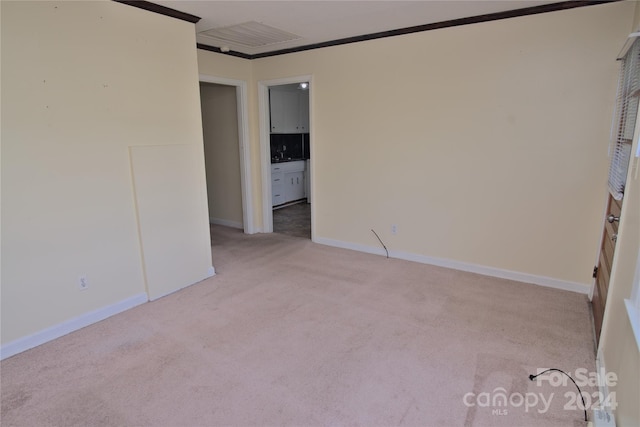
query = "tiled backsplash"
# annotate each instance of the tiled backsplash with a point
(289, 146)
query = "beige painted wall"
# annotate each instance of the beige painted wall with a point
(171, 207)
(81, 83)
(486, 144)
(222, 155)
(636, 17)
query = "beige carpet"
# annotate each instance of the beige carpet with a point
(298, 334)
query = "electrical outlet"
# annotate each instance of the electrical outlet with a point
(83, 283)
(394, 228)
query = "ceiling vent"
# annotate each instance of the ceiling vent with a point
(250, 34)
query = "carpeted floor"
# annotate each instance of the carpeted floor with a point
(291, 333)
(294, 220)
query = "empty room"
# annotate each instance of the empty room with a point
(312, 213)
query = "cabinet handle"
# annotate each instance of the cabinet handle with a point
(291, 181)
(297, 180)
(277, 179)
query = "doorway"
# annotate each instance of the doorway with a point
(232, 188)
(287, 156)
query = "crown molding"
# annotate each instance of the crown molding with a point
(162, 10)
(533, 10)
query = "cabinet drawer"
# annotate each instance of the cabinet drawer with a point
(277, 178)
(277, 194)
(286, 167)
(277, 198)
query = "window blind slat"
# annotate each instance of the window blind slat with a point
(625, 114)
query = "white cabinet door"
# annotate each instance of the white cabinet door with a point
(294, 186)
(287, 182)
(284, 111)
(277, 197)
(289, 110)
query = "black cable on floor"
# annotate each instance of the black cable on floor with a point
(385, 248)
(584, 406)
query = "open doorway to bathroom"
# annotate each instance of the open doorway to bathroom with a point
(290, 158)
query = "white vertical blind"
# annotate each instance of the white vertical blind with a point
(624, 120)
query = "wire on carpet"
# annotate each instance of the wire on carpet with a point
(533, 377)
(379, 239)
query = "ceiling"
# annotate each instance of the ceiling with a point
(307, 23)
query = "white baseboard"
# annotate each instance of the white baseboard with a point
(463, 266)
(226, 223)
(209, 273)
(56, 331)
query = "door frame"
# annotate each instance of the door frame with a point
(243, 145)
(265, 148)
(605, 212)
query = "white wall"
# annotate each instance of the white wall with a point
(82, 82)
(486, 144)
(222, 154)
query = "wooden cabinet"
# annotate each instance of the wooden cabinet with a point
(289, 110)
(287, 182)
